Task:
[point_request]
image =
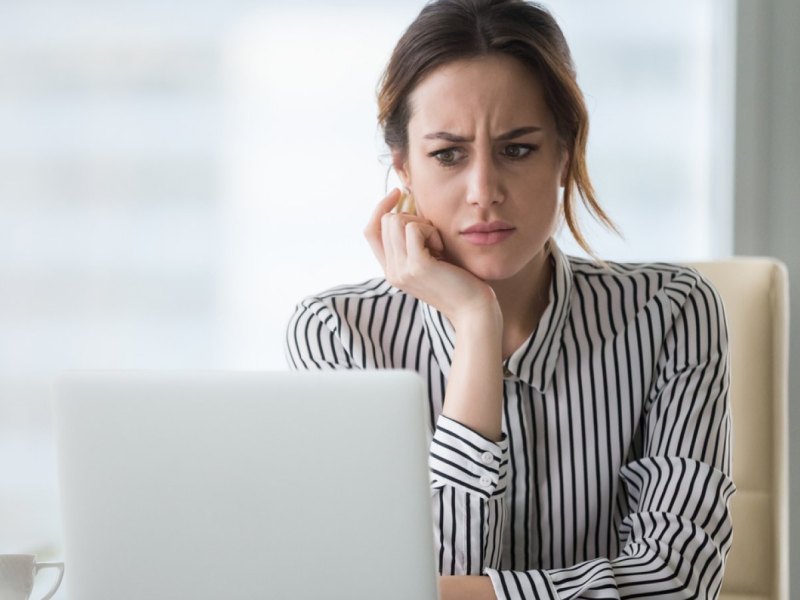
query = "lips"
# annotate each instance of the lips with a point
(487, 234)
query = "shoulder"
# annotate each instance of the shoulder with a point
(354, 306)
(344, 326)
(336, 300)
(678, 287)
(674, 279)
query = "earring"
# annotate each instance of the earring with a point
(406, 203)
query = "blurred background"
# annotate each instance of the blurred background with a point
(175, 176)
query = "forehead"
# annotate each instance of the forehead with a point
(495, 91)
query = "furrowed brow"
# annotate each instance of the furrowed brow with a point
(518, 132)
(508, 135)
(443, 135)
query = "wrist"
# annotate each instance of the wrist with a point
(457, 587)
(483, 317)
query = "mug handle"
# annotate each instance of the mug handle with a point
(56, 565)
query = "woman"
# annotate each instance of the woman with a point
(581, 441)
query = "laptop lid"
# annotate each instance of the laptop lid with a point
(295, 485)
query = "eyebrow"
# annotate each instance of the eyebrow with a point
(508, 135)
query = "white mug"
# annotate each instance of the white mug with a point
(17, 572)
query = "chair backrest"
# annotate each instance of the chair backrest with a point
(756, 298)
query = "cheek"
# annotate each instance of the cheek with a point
(430, 191)
(431, 210)
(544, 185)
(425, 176)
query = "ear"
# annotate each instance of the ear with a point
(400, 164)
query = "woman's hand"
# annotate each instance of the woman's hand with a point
(410, 250)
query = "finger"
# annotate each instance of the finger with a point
(416, 237)
(428, 240)
(373, 229)
(415, 243)
(385, 206)
(393, 233)
(394, 241)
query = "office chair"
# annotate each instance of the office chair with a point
(756, 298)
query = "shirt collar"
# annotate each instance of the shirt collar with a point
(535, 360)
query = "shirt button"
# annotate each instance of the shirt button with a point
(485, 481)
(506, 372)
(487, 458)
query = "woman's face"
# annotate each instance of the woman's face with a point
(483, 154)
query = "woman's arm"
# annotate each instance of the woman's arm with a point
(408, 248)
(474, 392)
(468, 458)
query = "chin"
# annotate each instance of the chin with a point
(492, 270)
(501, 266)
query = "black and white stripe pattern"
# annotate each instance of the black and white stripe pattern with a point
(613, 478)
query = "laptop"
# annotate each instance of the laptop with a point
(209, 485)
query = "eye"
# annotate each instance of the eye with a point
(447, 157)
(518, 151)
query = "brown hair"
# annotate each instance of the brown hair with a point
(448, 30)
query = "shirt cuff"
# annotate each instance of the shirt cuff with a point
(463, 458)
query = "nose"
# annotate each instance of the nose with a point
(483, 186)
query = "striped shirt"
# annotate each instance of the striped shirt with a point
(612, 479)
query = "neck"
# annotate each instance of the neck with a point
(523, 299)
